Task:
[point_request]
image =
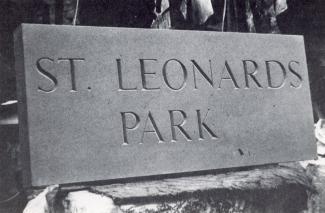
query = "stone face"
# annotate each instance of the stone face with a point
(109, 103)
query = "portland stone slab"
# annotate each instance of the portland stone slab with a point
(110, 103)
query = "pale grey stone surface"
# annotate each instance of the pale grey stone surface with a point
(73, 123)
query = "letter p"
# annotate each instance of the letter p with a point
(131, 126)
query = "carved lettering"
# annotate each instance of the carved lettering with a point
(271, 84)
(202, 125)
(230, 76)
(180, 125)
(144, 73)
(251, 74)
(119, 75)
(47, 75)
(198, 68)
(164, 71)
(72, 70)
(126, 127)
(155, 129)
(295, 73)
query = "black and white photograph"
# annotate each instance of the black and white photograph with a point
(171, 106)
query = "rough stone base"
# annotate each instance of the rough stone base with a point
(264, 189)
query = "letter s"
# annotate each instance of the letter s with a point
(47, 75)
(293, 71)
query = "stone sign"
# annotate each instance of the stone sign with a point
(109, 103)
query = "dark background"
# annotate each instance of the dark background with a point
(303, 17)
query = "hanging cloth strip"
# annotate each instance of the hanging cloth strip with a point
(249, 17)
(280, 6)
(200, 11)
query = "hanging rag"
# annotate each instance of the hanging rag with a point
(280, 6)
(249, 17)
(200, 10)
(163, 15)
